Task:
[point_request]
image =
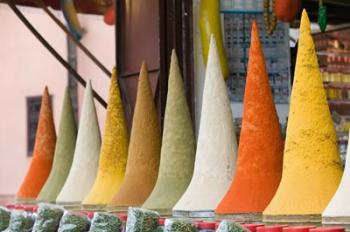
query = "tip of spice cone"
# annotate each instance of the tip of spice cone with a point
(305, 22)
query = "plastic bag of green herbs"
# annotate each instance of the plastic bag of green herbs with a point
(141, 220)
(74, 222)
(228, 226)
(20, 222)
(48, 218)
(105, 222)
(5, 216)
(179, 225)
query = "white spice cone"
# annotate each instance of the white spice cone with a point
(86, 155)
(216, 148)
(338, 209)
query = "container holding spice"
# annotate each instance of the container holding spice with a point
(252, 227)
(161, 222)
(74, 222)
(179, 225)
(48, 218)
(5, 216)
(141, 220)
(278, 228)
(105, 222)
(206, 227)
(328, 229)
(305, 228)
(229, 226)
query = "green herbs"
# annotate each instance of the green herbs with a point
(227, 226)
(141, 220)
(48, 218)
(5, 216)
(179, 225)
(20, 222)
(72, 222)
(104, 222)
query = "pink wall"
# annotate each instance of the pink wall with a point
(26, 67)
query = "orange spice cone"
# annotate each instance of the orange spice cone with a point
(144, 149)
(260, 152)
(114, 151)
(44, 148)
(311, 162)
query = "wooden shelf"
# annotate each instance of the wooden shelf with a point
(340, 85)
(340, 106)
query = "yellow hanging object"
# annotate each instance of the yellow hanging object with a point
(114, 150)
(311, 165)
(210, 23)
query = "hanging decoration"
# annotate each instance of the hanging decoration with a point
(322, 16)
(287, 10)
(270, 20)
(71, 16)
(109, 16)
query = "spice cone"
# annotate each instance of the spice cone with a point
(64, 152)
(44, 147)
(114, 150)
(338, 209)
(216, 148)
(260, 152)
(144, 149)
(311, 165)
(178, 147)
(83, 172)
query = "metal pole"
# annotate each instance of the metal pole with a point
(52, 50)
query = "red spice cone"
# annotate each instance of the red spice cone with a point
(44, 148)
(259, 163)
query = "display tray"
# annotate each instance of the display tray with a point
(293, 220)
(194, 214)
(243, 217)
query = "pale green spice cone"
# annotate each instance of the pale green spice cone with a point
(64, 152)
(86, 155)
(178, 146)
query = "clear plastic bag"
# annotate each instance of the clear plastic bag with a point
(105, 222)
(179, 225)
(20, 222)
(48, 218)
(228, 226)
(5, 216)
(73, 222)
(142, 220)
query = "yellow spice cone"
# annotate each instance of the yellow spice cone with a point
(114, 150)
(144, 149)
(311, 167)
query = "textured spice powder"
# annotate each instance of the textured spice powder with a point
(114, 150)
(178, 146)
(144, 148)
(260, 152)
(44, 148)
(217, 145)
(64, 152)
(311, 165)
